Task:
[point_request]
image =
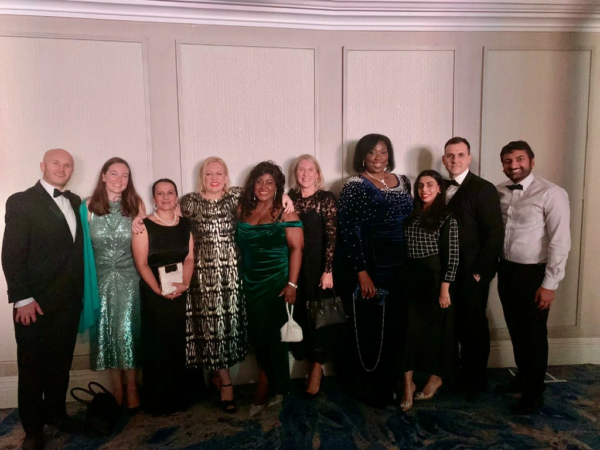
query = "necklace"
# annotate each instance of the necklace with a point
(166, 222)
(382, 181)
(265, 210)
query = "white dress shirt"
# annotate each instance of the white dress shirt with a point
(536, 226)
(65, 206)
(451, 190)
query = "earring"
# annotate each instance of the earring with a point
(275, 196)
(155, 206)
(363, 163)
(254, 197)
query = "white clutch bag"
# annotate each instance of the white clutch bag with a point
(291, 331)
(172, 273)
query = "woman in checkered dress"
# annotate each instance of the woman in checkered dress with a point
(431, 236)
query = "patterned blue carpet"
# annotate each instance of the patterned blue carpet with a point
(570, 420)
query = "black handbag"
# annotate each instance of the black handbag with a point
(103, 412)
(326, 311)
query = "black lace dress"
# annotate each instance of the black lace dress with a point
(318, 215)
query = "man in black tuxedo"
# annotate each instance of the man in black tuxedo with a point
(42, 258)
(476, 207)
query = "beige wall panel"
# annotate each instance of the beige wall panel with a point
(407, 95)
(245, 104)
(86, 96)
(542, 97)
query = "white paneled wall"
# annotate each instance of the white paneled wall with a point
(407, 95)
(542, 97)
(95, 87)
(86, 96)
(246, 105)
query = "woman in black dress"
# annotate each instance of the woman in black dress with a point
(168, 241)
(317, 211)
(432, 245)
(371, 209)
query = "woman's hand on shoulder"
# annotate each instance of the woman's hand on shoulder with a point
(288, 204)
(137, 225)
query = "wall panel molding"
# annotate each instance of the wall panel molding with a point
(406, 94)
(245, 104)
(457, 15)
(541, 96)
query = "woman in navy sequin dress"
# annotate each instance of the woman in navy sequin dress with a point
(371, 254)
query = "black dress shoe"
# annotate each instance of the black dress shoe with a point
(66, 424)
(33, 443)
(528, 405)
(515, 386)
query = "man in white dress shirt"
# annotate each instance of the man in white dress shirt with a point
(537, 241)
(42, 259)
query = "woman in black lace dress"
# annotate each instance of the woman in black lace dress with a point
(317, 211)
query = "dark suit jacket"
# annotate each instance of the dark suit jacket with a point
(476, 207)
(39, 257)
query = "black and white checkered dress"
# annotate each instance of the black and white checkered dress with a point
(422, 243)
(432, 347)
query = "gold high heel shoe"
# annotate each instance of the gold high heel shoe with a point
(422, 396)
(407, 405)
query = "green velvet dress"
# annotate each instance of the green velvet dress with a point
(265, 257)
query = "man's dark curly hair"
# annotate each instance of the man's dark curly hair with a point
(248, 200)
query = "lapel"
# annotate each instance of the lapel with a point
(462, 191)
(51, 204)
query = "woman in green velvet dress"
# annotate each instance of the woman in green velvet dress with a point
(271, 242)
(112, 296)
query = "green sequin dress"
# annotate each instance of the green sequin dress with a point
(265, 257)
(114, 341)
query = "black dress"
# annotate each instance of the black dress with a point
(372, 239)
(431, 343)
(166, 380)
(318, 215)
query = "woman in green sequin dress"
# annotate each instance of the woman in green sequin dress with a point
(115, 334)
(271, 242)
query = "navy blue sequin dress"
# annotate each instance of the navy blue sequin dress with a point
(372, 239)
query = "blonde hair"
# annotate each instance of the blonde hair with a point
(202, 173)
(320, 179)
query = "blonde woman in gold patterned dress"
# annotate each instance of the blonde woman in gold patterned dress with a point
(216, 311)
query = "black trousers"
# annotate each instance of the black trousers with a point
(470, 298)
(44, 356)
(527, 325)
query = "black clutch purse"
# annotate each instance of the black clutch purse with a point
(377, 299)
(326, 311)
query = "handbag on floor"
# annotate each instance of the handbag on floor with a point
(326, 311)
(102, 413)
(291, 331)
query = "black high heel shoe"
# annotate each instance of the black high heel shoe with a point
(228, 406)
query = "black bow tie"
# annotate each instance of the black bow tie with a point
(452, 183)
(58, 193)
(518, 187)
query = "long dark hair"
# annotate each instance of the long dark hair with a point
(130, 200)
(436, 212)
(248, 200)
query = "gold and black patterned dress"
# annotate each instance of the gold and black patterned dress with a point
(216, 312)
